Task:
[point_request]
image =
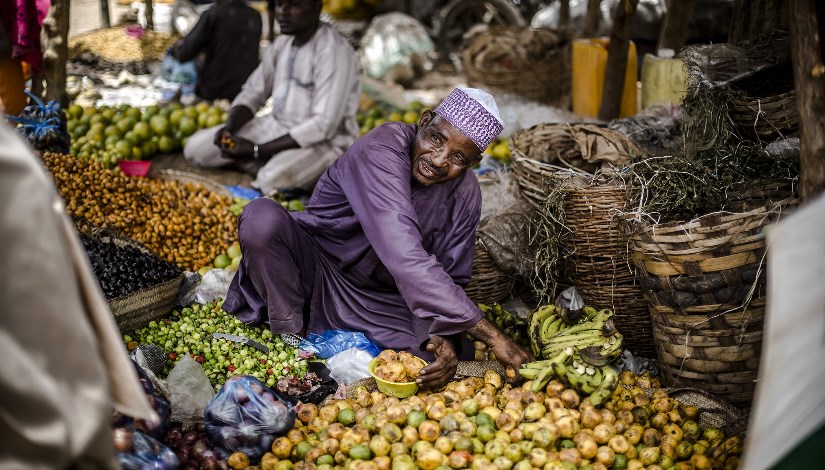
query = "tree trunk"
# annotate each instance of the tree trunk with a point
(809, 82)
(754, 18)
(591, 19)
(675, 27)
(54, 38)
(616, 67)
(104, 13)
(564, 14)
(150, 22)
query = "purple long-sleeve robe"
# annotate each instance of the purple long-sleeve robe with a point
(392, 255)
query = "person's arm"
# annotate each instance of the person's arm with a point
(196, 41)
(335, 80)
(379, 191)
(253, 95)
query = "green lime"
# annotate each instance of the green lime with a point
(360, 452)
(222, 261)
(345, 416)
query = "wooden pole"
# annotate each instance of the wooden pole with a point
(150, 22)
(809, 83)
(591, 18)
(54, 37)
(564, 14)
(675, 27)
(616, 67)
(104, 13)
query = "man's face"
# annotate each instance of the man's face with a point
(440, 152)
(297, 16)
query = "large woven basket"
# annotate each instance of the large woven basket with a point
(186, 177)
(520, 60)
(142, 306)
(546, 153)
(705, 288)
(600, 265)
(768, 118)
(488, 284)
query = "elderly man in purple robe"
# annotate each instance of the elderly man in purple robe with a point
(385, 244)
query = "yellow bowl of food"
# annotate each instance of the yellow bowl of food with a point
(395, 373)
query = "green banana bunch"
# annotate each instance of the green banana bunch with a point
(606, 388)
(512, 326)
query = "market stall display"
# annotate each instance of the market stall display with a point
(122, 44)
(184, 224)
(481, 423)
(138, 286)
(191, 331)
(128, 133)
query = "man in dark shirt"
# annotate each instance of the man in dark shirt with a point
(228, 34)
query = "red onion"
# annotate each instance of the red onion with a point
(122, 438)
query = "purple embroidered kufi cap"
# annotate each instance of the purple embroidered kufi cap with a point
(474, 113)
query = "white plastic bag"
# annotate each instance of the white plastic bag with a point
(214, 285)
(190, 391)
(350, 365)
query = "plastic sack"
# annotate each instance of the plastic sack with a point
(178, 72)
(146, 453)
(190, 389)
(213, 285)
(332, 342)
(395, 46)
(349, 365)
(246, 416)
(570, 299)
(43, 125)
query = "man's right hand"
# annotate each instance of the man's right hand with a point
(439, 372)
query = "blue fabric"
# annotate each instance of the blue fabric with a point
(246, 193)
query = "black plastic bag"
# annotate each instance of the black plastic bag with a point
(246, 416)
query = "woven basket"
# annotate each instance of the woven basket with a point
(142, 306)
(547, 154)
(520, 60)
(185, 177)
(488, 284)
(705, 290)
(768, 118)
(600, 266)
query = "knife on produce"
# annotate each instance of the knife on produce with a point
(242, 340)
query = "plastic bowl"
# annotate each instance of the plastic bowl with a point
(134, 168)
(393, 389)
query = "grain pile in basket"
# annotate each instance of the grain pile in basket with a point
(118, 45)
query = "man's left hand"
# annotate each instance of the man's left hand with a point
(238, 149)
(439, 372)
(511, 356)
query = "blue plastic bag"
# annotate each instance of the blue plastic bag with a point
(332, 342)
(179, 72)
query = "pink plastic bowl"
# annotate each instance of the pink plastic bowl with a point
(134, 168)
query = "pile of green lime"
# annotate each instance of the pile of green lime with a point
(111, 134)
(377, 115)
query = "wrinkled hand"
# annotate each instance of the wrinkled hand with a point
(511, 356)
(439, 372)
